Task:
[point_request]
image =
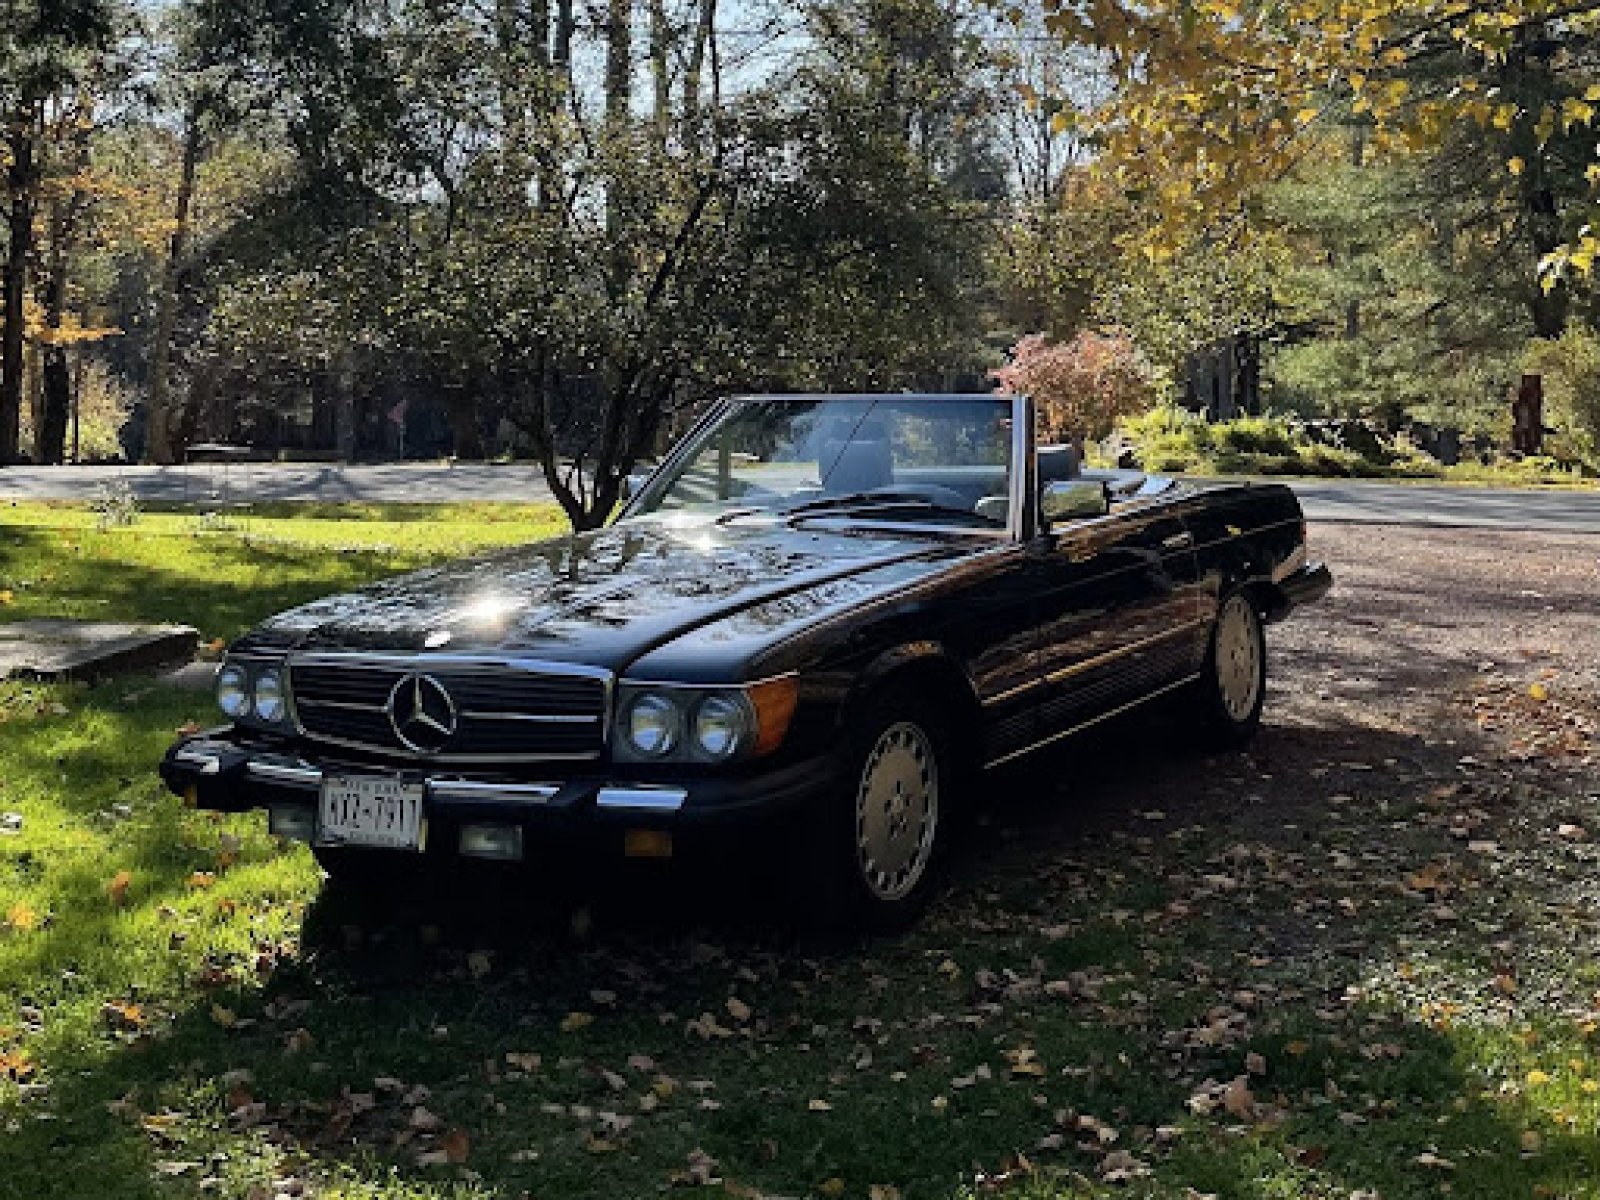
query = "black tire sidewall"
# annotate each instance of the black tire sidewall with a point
(846, 899)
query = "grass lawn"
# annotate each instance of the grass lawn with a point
(1149, 1003)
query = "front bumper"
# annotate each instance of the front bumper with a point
(221, 771)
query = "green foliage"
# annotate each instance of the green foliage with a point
(1570, 365)
(1172, 440)
(1393, 314)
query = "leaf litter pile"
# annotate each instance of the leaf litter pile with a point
(1359, 961)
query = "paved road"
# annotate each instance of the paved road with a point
(1553, 511)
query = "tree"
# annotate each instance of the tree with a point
(42, 44)
(1218, 97)
(549, 251)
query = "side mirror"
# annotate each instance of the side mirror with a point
(1073, 500)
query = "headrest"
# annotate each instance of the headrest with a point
(1057, 464)
(856, 466)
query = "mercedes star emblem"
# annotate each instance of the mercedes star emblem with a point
(422, 713)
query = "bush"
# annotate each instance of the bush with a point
(1082, 387)
(1169, 440)
(1570, 365)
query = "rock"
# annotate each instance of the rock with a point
(58, 648)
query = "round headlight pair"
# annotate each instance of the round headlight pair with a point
(238, 695)
(657, 725)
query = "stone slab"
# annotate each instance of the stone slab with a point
(59, 648)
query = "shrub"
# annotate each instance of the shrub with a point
(1081, 387)
(1570, 365)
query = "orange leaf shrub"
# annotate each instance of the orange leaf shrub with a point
(1081, 386)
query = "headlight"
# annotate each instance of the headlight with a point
(663, 722)
(654, 725)
(233, 691)
(721, 724)
(270, 703)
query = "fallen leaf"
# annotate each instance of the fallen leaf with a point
(22, 918)
(738, 1009)
(117, 888)
(456, 1145)
(1237, 1099)
(819, 1106)
(424, 1121)
(575, 1021)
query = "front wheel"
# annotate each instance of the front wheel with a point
(877, 849)
(1233, 682)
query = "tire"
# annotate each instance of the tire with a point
(878, 846)
(1233, 682)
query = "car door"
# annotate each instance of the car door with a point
(1118, 612)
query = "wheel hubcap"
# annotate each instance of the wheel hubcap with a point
(1238, 658)
(897, 811)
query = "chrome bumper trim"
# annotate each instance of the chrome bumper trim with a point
(292, 774)
(307, 777)
(471, 789)
(196, 755)
(641, 799)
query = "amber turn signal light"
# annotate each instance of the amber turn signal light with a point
(773, 701)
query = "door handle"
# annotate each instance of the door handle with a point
(1178, 541)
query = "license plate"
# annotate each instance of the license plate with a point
(370, 810)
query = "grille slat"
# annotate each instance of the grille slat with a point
(344, 704)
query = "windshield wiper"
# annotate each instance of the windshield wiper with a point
(858, 501)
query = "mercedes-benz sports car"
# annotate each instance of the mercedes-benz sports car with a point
(821, 618)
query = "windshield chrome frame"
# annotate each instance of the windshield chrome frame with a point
(1022, 517)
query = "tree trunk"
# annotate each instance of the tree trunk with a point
(21, 180)
(694, 71)
(50, 429)
(660, 76)
(160, 444)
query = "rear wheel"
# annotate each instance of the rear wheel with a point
(877, 849)
(1233, 682)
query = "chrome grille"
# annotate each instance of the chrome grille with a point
(507, 710)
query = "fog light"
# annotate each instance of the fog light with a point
(491, 841)
(296, 822)
(647, 843)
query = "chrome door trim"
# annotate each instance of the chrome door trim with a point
(1087, 664)
(1092, 721)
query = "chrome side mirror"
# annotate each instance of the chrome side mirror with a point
(1073, 500)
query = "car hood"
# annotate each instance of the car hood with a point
(602, 598)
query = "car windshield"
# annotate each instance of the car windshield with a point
(929, 460)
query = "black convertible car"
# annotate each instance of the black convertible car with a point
(821, 617)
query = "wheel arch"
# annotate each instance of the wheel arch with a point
(926, 666)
